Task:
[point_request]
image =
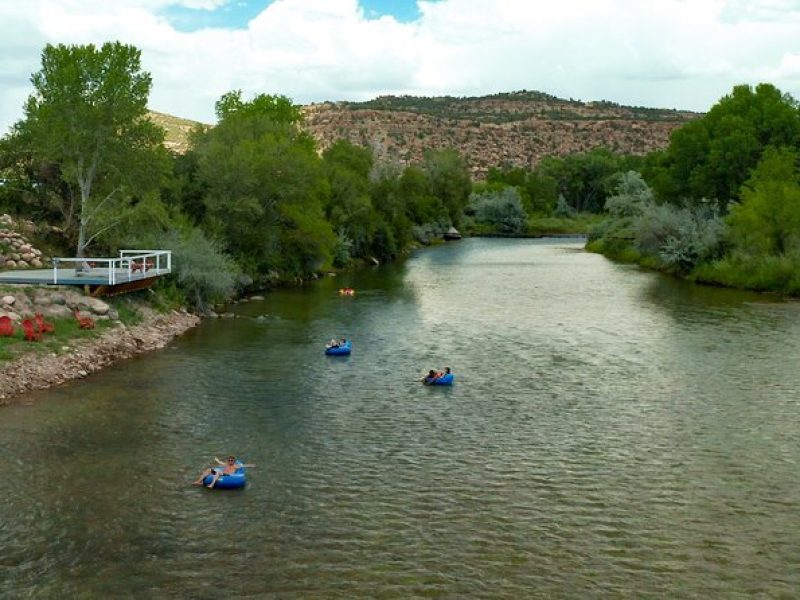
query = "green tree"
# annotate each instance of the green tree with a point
(349, 207)
(279, 108)
(711, 157)
(585, 180)
(449, 180)
(421, 205)
(392, 206)
(88, 115)
(767, 221)
(264, 190)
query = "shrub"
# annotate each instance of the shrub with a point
(760, 272)
(562, 209)
(632, 194)
(681, 237)
(204, 274)
(501, 209)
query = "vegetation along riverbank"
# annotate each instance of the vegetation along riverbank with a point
(256, 200)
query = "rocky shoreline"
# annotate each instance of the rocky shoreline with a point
(85, 356)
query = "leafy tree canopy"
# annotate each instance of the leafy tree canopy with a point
(263, 188)
(711, 157)
(277, 108)
(87, 115)
(449, 180)
(767, 221)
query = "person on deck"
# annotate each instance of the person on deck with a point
(228, 467)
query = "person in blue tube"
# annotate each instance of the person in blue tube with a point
(228, 467)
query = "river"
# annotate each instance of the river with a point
(611, 432)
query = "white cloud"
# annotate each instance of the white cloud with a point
(674, 53)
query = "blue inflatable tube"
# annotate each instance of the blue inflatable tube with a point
(339, 350)
(233, 481)
(443, 380)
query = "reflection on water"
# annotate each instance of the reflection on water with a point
(611, 433)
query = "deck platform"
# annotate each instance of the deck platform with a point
(132, 270)
(96, 276)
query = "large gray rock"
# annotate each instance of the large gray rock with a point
(57, 311)
(58, 298)
(95, 305)
(8, 300)
(42, 299)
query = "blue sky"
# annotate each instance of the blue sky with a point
(238, 13)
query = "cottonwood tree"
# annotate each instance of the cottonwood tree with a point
(264, 187)
(88, 115)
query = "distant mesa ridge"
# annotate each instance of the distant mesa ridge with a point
(511, 129)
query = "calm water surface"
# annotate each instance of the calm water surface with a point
(611, 433)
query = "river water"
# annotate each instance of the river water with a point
(611, 433)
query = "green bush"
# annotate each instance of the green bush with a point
(760, 273)
(204, 274)
(681, 237)
(500, 209)
(632, 194)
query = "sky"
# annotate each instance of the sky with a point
(682, 54)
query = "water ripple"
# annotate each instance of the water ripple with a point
(611, 433)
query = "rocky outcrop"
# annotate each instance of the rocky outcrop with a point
(16, 252)
(515, 129)
(57, 302)
(84, 356)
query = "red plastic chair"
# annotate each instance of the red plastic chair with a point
(43, 325)
(6, 325)
(32, 334)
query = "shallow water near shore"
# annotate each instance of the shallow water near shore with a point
(611, 432)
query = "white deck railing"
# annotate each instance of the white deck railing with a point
(129, 266)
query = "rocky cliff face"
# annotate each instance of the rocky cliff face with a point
(516, 129)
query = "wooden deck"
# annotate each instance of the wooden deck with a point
(96, 276)
(133, 270)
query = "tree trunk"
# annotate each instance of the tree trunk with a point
(84, 186)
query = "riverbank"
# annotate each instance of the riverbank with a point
(80, 357)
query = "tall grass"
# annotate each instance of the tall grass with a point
(761, 273)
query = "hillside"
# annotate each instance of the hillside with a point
(517, 128)
(177, 138)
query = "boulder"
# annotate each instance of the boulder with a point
(36, 263)
(57, 311)
(13, 316)
(10, 264)
(58, 298)
(8, 300)
(95, 305)
(42, 299)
